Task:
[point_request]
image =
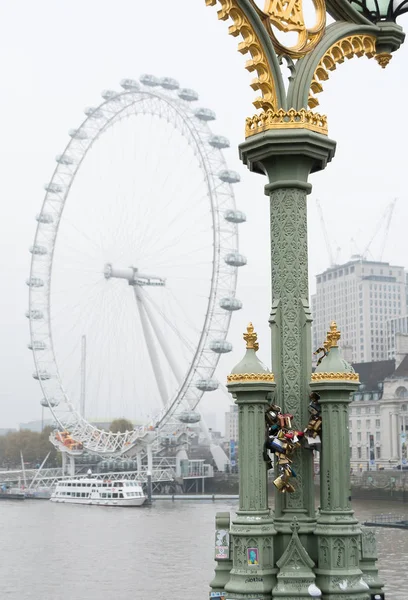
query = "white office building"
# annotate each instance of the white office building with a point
(361, 296)
(231, 424)
(397, 336)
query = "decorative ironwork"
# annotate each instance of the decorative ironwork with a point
(250, 337)
(355, 45)
(252, 44)
(250, 377)
(287, 16)
(286, 119)
(335, 377)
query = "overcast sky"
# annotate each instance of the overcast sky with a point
(57, 56)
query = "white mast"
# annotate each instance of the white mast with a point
(83, 376)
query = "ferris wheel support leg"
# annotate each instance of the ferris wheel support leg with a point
(154, 359)
(168, 354)
(161, 339)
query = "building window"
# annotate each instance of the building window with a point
(401, 392)
(359, 436)
(378, 423)
(378, 452)
(350, 424)
(368, 424)
(358, 452)
(359, 409)
(378, 436)
(358, 424)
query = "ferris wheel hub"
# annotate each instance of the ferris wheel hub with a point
(133, 276)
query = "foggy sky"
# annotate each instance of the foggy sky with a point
(56, 59)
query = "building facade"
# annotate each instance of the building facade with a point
(397, 335)
(378, 416)
(361, 296)
(231, 424)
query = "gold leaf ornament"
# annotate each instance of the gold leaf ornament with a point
(287, 16)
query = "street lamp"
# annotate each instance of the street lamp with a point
(381, 10)
(287, 141)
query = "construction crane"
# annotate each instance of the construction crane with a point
(334, 259)
(385, 217)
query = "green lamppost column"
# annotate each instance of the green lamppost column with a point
(287, 157)
(253, 573)
(287, 141)
(338, 531)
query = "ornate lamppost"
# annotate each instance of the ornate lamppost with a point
(287, 141)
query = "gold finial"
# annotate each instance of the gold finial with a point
(383, 58)
(333, 336)
(250, 337)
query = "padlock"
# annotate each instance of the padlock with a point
(288, 488)
(278, 445)
(285, 420)
(315, 424)
(280, 482)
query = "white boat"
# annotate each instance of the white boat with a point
(90, 490)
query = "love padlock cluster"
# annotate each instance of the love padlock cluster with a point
(312, 439)
(282, 441)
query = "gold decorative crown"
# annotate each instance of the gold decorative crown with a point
(250, 337)
(333, 336)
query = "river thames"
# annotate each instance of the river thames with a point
(52, 551)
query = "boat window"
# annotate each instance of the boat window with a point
(115, 495)
(120, 494)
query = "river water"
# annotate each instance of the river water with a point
(62, 552)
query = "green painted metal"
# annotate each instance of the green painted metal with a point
(253, 16)
(337, 530)
(299, 88)
(288, 157)
(252, 531)
(222, 552)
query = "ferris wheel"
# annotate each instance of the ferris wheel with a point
(134, 266)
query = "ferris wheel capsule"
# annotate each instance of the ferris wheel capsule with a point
(230, 304)
(149, 80)
(168, 83)
(54, 188)
(219, 141)
(229, 176)
(34, 314)
(235, 216)
(37, 249)
(189, 416)
(37, 345)
(207, 385)
(45, 218)
(205, 114)
(49, 402)
(111, 95)
(234, 259)
(188, 95)
(35, 282)
(93, 113)
(42, 374)
(220, 346)
(64, 159)
(130, 84)
(79, 134)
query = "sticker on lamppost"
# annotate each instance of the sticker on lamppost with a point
(252, 556)
(222, 544)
